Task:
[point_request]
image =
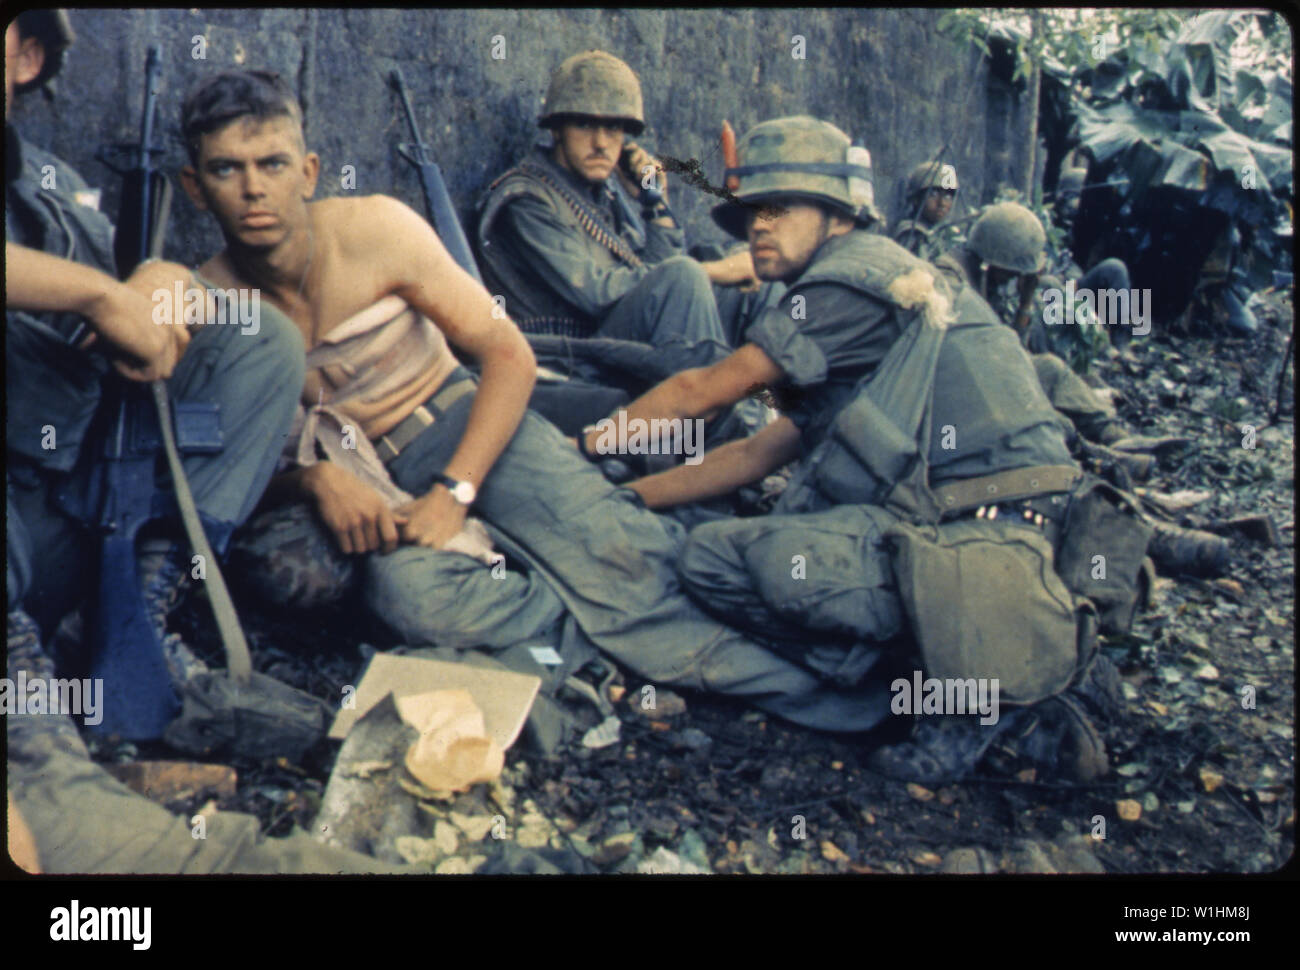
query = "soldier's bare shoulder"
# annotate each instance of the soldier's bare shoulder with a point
(358, 225)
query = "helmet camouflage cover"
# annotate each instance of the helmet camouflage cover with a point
(803, 157)
(1009, 236)
(931, 175)
(595, 84)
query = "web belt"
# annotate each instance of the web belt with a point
(392, 444)
(970, 493)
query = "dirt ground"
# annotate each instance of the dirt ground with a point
(1202, 764)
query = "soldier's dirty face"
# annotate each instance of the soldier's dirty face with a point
(783, 236)
(589, 147)
(256, 178)
(938, 203)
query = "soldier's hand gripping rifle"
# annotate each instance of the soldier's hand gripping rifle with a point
(139, 700)
(442, 214)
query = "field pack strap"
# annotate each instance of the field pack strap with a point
(589, 219)
(970, 493)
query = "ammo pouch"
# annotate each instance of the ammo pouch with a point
(984, 602)
(1103, 541)
(866, 455)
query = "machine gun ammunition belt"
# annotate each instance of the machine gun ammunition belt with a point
(589, 221)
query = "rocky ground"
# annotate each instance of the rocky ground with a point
(1202, 764)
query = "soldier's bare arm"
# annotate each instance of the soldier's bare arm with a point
(723, 469)
(702, 391)
(120, 314)
(412, 263)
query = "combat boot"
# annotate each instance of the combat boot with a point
(24, 648)
(942, 749)
(1060, 738)
(163, 581)
(1189, 551)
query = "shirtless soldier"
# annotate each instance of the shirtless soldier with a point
(373, 292)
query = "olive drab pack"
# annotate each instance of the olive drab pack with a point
(1103, 543)
(800, 157)
(984, 601)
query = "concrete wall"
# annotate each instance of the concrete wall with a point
(885, 76)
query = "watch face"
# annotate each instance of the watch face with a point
(464, 493)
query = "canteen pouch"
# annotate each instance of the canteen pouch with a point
(1103, 542)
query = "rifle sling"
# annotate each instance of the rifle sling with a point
(238, 661)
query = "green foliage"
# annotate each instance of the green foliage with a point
(1066, 40)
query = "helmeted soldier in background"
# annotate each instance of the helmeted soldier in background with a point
(1002, 260)
(580, 239)
(930, 193)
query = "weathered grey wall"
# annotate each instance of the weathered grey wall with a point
(885, 76)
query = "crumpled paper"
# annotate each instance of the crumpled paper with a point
(453, 750)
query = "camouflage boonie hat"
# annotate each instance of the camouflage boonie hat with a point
(931, 175)
(1009, 236)
(597, 85)
(803, 157)
(53, 29)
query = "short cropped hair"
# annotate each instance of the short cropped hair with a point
(219, 99)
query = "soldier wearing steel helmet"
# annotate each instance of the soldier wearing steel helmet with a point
(857, 309)
(580, 238)
(931, 190)
(1003, 259)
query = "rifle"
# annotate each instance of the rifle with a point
(139, 700)
(437, 201)
(146, 191)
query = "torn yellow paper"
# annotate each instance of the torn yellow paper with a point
(453, 750)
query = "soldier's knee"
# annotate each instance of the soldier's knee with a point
(683, 272)
(702, 560)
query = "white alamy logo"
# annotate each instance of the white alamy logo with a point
(190, 305)
(41, 695)
(1116, 308)
(948, 696)
(74, 923)
(655, 436)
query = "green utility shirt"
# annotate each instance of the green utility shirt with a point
(826, 338)
(50, 383)
(537, 253)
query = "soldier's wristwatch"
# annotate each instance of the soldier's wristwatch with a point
(463, 492)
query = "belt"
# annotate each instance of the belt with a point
(969, 493)
(457, 385)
